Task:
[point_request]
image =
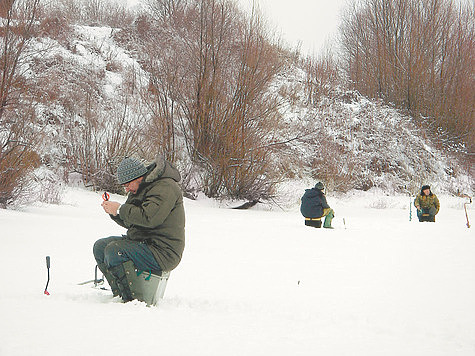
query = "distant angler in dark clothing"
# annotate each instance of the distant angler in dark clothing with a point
(314, 206)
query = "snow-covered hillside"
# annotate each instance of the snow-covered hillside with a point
(254, 282)
(351, 142)
(345, 140)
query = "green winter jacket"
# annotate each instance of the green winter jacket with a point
(427, 201)
(155, 214)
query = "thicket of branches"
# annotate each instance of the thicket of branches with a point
(48, 98)
(90, 133)
(17, 134)
(89, 12)
(206, 105)
(419, 55)
(210, 91)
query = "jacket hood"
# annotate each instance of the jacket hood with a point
(161, 168)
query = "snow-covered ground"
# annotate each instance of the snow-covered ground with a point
(254, 282)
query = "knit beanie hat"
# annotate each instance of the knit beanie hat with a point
(424, 187)
(319, 186)
(130, 169)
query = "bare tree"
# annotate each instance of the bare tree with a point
(165, 10)
(418, 55)
(17, 138)
(209, 91)
(322, 77)
(111, 13)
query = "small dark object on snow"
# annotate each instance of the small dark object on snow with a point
(465, 208)
(247, 205)
(47, 282)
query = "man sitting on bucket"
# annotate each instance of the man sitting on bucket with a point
(314, 206)
(155, 220)
(427, 204)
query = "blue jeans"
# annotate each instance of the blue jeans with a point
(115, 250)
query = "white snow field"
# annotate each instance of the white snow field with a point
(253, 282)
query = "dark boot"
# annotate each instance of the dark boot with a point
(133, 280)
(143, 286)
(128, 282)
(315, 222)
(110, 279)
(328, 220)
(121, 279)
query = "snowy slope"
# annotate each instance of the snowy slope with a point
(345, 140)
(253, 282)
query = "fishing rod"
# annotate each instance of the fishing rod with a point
(465, 208)
(47, 282)
(96, 280)
(410, 203)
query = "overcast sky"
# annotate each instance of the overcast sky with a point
(308, 22)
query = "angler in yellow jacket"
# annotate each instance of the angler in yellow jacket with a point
(427, 204)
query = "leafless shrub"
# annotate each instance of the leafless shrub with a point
(53, 23)
(15, 165)
(166, 10)
(49, 188)
(94, 150)
(417, 55)
(92, 12)
(213, 102)
(73, 86)
(322, 77)
(18, 139)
